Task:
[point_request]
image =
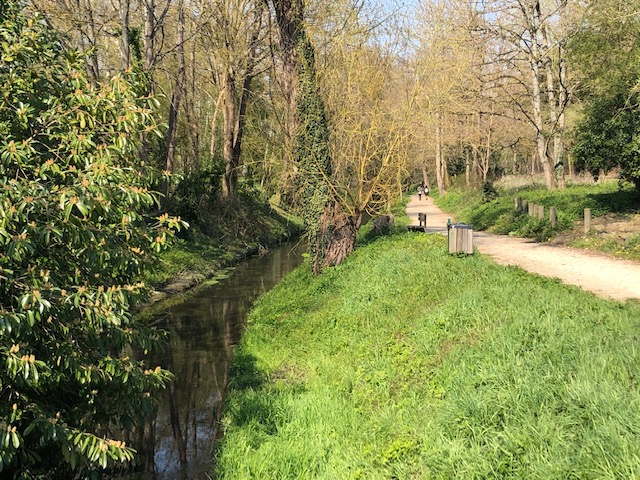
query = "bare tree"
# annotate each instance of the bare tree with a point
(528, 38)
(234, 40)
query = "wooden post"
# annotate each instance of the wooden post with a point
(541, 212)
(587, 220)
(518, 204)
(525, 205)
(553, 217)
(531, 208)
(422, 219)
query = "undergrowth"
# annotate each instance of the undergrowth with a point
(406, 362)
(499, 215)
(227, 231)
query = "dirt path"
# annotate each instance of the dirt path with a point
(606, 277)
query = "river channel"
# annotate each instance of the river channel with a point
(203, 331)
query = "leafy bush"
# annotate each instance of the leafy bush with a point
(607, 136)
(488, 192)
(73, 239)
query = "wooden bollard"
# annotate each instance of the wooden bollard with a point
(524, 205)
(553, 217)
(531, 208)
(587, 220)
(518, 204)
(540, 212)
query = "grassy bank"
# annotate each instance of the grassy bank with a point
(231, 230)
(609, 204)
(405, 362)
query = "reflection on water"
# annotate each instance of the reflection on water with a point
(203, 331)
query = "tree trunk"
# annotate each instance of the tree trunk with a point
(425, 176)
(487, 156)
(477, 171)
(439, 166)
(214, 119)
(174, 107)
(467, 168)
(228, 114)
(149, 58)
(149, 34)
(125, 55)
(289, 15)
(94, 62)
(192, 119)
(234, 113)
(310, 132)
(342, 232)
(533, 13)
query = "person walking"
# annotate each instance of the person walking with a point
(420, 191)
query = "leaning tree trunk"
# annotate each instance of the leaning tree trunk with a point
(340, 230)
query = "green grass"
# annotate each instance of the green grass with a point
(406, 362)
(499, 216)
(628, 248)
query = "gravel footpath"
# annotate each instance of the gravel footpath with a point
(605, 276)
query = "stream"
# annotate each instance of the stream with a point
(203, 331)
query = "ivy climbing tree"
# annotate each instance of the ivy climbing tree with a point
(309, 128)
(311, 150)
(73, 239)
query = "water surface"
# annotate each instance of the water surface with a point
(203, 331)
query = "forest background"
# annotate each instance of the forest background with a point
(386, 94)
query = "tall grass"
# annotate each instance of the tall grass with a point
(405, 362)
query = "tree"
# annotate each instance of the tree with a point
(604, 52)
(74, 239)
(607, 137)
(370, 101)
(447, 88)
(528, 38)
(235, 33)
(309, 127)
(352, 110)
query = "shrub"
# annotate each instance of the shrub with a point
(73, 239)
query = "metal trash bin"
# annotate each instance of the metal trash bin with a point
(460, 237)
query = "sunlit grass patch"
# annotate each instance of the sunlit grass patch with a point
(406, 362)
